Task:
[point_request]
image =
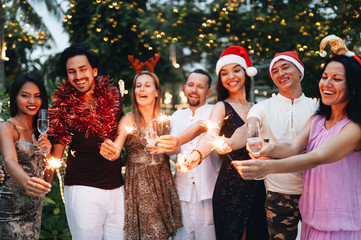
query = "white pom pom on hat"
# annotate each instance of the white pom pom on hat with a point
(323, 54)
(290, 56)
(236, 54)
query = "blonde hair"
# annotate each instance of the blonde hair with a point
(138, 117)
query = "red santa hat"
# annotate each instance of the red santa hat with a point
(236, 54)
(290, 56)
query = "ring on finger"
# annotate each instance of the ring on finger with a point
(34, 185)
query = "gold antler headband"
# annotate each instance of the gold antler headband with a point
(338, 47)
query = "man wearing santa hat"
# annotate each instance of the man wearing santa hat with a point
(282, 117)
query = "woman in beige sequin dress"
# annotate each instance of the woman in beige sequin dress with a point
(152, 209)
(23, 192)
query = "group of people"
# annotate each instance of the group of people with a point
(218, 197)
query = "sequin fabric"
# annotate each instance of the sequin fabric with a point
(237, 204)
(20, 214)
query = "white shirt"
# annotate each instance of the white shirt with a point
(283, 120)
(204, 176)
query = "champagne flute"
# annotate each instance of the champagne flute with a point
(254, 139)
(43, 124)
(151, 135)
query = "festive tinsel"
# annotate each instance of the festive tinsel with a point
(69, 113)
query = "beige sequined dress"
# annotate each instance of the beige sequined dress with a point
(152, 209)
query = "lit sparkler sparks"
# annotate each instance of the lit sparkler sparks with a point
(182, 163)
(53, 163)
(209, 125)
(72, 152)
(220, 144)
(129, 129)
(162, 119)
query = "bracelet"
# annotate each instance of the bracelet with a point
(200, 155)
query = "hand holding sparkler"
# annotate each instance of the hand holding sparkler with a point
(167, 143)
(181, 164)
(35, 186)
(222, 145)
(51, 165)
(185, 162)
(109, 150)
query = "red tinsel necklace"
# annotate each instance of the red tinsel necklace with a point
(69, 113)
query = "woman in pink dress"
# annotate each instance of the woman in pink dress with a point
(331, 202)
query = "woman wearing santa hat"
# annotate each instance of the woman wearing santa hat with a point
(238, 205)
(330, 205)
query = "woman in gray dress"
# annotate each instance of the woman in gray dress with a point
(23, 192)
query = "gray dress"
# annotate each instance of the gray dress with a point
(20, 214)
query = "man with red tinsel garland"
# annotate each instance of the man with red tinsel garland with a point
(86, 109)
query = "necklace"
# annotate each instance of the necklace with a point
(31, 133)
(244, 107)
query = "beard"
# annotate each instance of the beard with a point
(193, 103)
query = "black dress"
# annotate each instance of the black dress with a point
(237, 203)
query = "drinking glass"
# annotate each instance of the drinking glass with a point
(43, 122)
(254, 139)
(151, 135)
(43, 125)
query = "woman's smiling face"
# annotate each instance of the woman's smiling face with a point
(333, 86)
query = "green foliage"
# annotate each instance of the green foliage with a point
(24, 31)
(54, 224)
(115, 30)
(4, 106)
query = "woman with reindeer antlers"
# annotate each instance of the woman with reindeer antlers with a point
(152, 208)
(331, 202)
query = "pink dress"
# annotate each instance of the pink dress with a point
(330, 205)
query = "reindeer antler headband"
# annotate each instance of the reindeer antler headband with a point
(150, 63)
(338, 47)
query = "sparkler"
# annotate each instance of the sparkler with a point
(72, 152)
(54, 164)
(181, 163)
(162, 119)
(209, 125)
(129, 129)
(51, 164)
(220, 144)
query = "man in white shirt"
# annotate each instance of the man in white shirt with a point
(195, 188)
(282, 117)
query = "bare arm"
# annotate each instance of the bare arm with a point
(170, 144)
(33, 186)
(348, 140)
(205, 146)
(286, 149)
(111, 150)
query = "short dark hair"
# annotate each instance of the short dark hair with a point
(74, 50)
(201, 71)
(222, 92)
(353, 83)
(15, 89)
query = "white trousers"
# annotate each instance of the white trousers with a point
(94, 213)
(197, 218)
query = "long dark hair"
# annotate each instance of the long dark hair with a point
(15, 88)
(353, 83)
(222, 92)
